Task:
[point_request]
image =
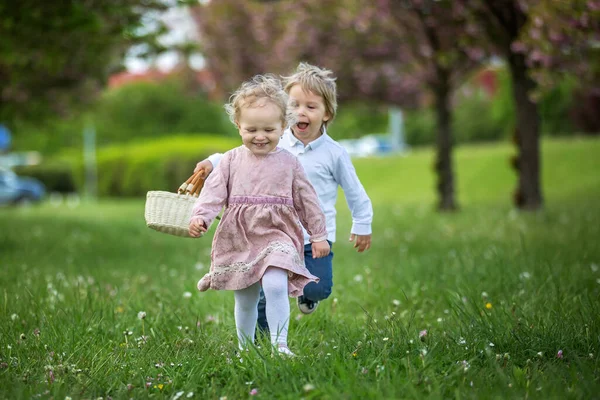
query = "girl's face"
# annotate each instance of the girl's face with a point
(261, 127)
(310, 113)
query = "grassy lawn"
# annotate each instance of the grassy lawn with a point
(509, 301)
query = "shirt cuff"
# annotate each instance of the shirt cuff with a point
(361, 229)
(318, 238)
(214, 159)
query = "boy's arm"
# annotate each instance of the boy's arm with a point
(209, 163)
(356, 196)
(307, 205)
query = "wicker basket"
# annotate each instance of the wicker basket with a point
(170, 213)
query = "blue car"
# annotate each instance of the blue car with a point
(19, 190)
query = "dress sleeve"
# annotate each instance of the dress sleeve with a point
(215, 192)
(307, 205)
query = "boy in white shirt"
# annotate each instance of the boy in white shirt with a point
(313, 98)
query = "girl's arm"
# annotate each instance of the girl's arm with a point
(214, 194)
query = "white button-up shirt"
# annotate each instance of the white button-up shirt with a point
(327, 165)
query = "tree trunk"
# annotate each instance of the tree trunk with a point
(528, 195)
(443, 164)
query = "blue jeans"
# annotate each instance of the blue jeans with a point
(321, 268)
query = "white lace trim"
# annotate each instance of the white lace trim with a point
(273, 247)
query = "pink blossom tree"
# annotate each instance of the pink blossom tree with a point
(537, 39)
(421, 36)
(387, 51)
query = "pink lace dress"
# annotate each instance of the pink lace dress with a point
(266, 198)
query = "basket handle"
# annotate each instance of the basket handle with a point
(193, 184)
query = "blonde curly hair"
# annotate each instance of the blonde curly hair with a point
(260, 87)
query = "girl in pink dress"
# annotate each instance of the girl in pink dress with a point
(266, 194)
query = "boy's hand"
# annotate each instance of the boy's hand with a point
(363, 242)
(320, 249)
(206, 165)
(197, 227)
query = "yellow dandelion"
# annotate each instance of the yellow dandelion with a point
(488, 306)
(161, 386)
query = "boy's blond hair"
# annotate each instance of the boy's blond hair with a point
(320, 81)
(260, 87)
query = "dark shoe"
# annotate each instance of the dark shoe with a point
(307, 306)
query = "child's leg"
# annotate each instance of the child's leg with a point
(263, 325)
(322, 268)
(275, 287)
(245, 312)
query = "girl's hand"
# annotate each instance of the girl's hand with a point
(363, 242)
(320, 249)
(197, 227)
(206, 165)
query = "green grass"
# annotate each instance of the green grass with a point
(73, 280)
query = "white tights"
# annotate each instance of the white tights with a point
(275, 288)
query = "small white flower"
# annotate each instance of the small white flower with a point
(386, 339)
(462, 341)
(491, 344)
(308, 387)
(142, 315)
(358, 278)
(14, 317)
(396, 302)
(524, 275)
(465, 365)
(178, 395)
(191, 394)
(484, 295)
(187, 295)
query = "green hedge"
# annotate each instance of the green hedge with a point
(132, 169)
(132, 112)
(56, 175)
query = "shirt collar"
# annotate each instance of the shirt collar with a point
(294, 141)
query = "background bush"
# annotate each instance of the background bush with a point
(156, 109)
(57, 175)
(141, 110)
(134, 168)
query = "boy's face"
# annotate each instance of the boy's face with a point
(261, 127)
(310, 112)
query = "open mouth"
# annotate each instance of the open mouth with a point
(302, 125)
